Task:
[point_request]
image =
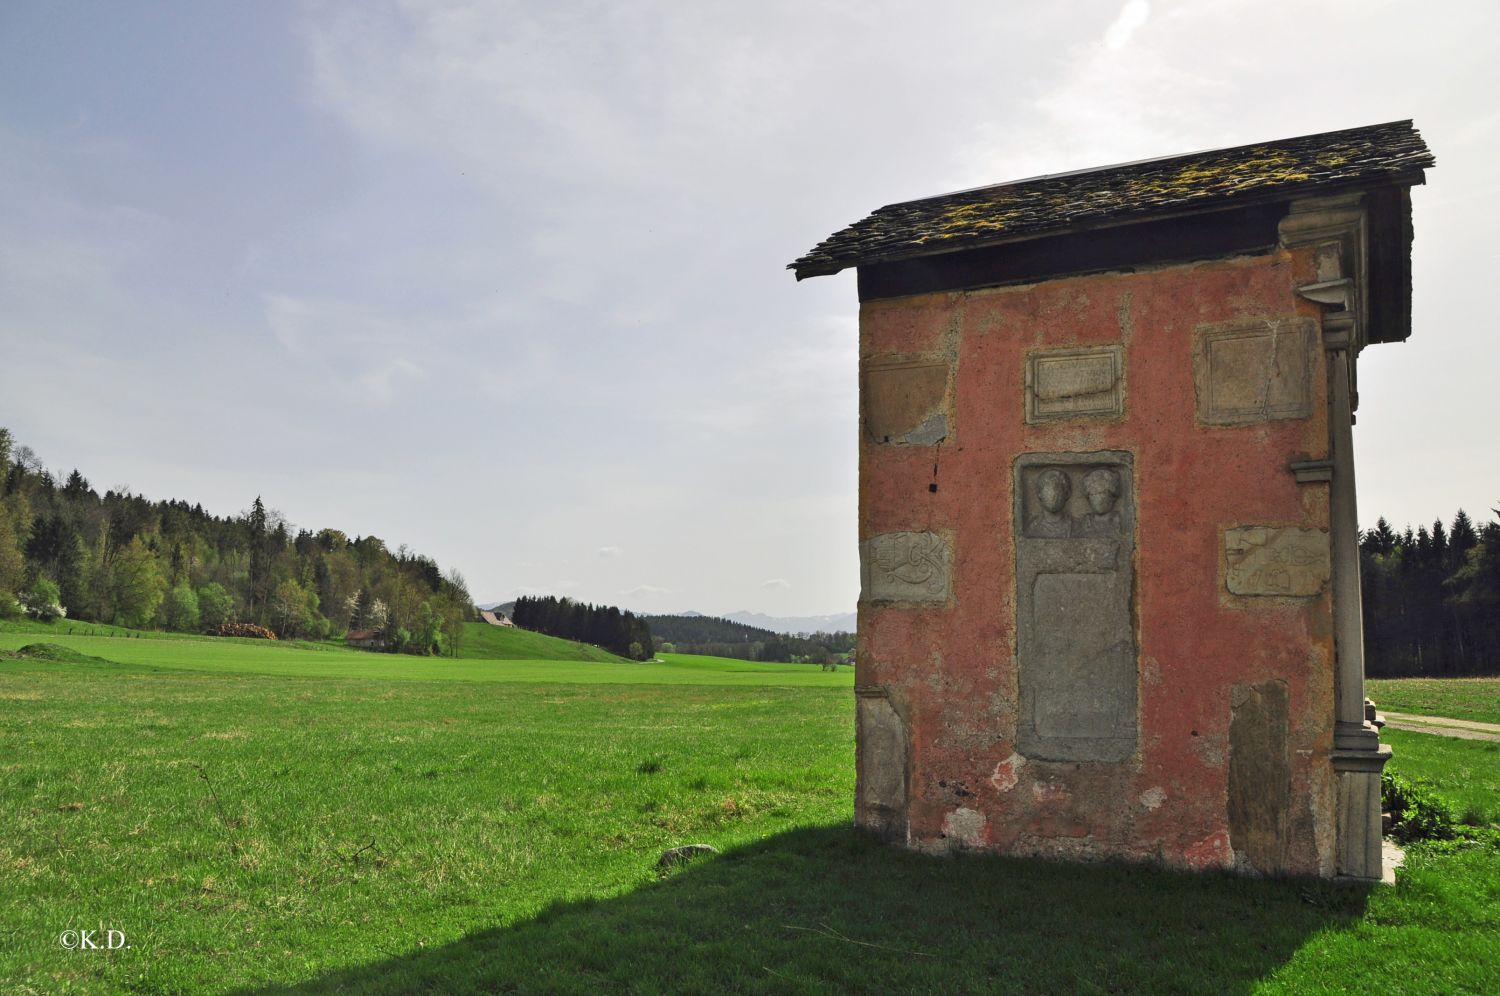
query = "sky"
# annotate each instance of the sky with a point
(504, 282)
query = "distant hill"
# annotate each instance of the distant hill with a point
(843, 622)
(506, 609)
(718, 637)
(695, 628)
(506, 643)
(66, 551)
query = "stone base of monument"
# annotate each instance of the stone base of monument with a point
(1360, 817)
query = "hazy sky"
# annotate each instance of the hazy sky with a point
(504, 281)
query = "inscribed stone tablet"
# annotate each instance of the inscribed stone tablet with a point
(1071, 383)
(1254, 370)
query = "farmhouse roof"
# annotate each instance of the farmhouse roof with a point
(1375, 155)
(362, 634)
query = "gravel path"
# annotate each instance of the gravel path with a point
(1465, 729)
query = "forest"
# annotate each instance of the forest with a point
(619, 632)
(1431, 599)
(123, 559)
(716, 637)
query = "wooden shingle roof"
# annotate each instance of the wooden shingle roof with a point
(1045, 205)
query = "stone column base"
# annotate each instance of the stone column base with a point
(1358, 817)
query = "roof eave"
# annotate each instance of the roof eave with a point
(1407, 178)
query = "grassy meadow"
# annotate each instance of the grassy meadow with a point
(587, 665)
(1457, 698)
(271, 818)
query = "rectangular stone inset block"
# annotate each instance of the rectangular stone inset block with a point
(906, 567)
(1271, 560)
(1254, 370)
(903, 402)
(1075, 588)
(1260, 775)
(880, 764)
(1074, 383)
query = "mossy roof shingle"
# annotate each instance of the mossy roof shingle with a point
(1112, 194)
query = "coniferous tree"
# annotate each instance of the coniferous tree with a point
(1461, 539)
(260, 554)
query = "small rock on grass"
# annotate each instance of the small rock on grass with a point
(674, 856)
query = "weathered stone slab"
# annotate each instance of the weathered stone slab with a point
(906, 567)
(1269, 560)
(1260, 775)
(903, 402)
(880, 764)
(1254, 370)
(1075, 383)
(1359, 852)
(1075, 633)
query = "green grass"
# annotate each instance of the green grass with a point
(1465, 772)
(343, 821)
(215, 656)
(1458, 698)
(69, 627)
(252, 824)
(483, 641)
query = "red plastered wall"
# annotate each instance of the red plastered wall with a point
(950, 670)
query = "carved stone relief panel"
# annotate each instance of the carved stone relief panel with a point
(1254, 370)
(906, 567)
(1073, 383)
(1270, 560)
(1075, 592)
(904, 402)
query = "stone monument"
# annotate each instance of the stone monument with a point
(1109, 547)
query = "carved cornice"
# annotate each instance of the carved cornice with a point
(1311, 471)
(1338, 229)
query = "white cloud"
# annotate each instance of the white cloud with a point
(610, 551)
(776, 583)
(1133, 16)
(360, 350)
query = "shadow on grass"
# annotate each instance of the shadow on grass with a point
(828, 909)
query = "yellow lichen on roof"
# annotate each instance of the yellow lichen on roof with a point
(1263, 167)
(975, 216)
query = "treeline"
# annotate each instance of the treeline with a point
(705, 629)
(1432, 599)
(619, 632)
(716, 637)
(66, 550)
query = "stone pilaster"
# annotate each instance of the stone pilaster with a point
(1336, 228)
